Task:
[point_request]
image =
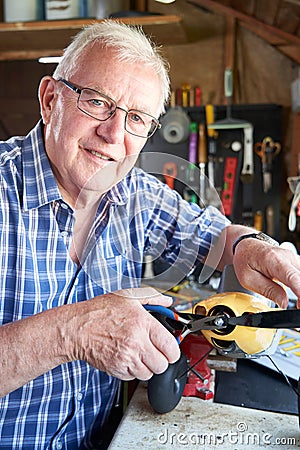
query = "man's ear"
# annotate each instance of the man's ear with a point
(47, 94)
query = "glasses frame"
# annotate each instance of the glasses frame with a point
(79, 91)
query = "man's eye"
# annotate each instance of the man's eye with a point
(136, 118)
(98, 102)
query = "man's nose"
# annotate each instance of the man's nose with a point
(113, 129)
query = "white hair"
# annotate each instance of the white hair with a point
(130, 43)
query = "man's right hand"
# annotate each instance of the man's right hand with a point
(114, 333)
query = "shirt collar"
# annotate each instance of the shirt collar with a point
(119, 194)
(39, 183)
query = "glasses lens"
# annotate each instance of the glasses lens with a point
(95, 104)
(140, 123)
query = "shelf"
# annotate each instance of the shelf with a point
(31, 40)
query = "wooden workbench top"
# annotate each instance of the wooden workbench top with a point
(202, 425)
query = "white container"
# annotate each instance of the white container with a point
(104, 8)
(20, 11)
(61, 9)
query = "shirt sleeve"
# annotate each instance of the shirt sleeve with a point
(182, 233)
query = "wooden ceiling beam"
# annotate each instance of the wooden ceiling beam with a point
(221, 9)
(292, 51)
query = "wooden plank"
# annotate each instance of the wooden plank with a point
(24, 55)
(77, 24)
(291, 51)
(31, 40)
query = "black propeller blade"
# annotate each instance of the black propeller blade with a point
(289, 318)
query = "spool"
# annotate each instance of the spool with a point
(175, 126)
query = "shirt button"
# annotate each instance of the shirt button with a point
(59, 445)
(79, 396)
(63, 205)
(64, 233)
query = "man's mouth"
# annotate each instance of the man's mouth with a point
(100, 155)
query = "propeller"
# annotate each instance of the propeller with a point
(289, 318)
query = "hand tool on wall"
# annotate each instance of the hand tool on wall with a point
(230, 175)
(202, 160)
(267, 151)
(270, 220)
(247, 176)
(197, 93)
(170, 173)
(247, 173)
(229, 122)
(185, 87)
(212, 145)
(295, 205)
(258, 220)
(178, 97)
(192, 184)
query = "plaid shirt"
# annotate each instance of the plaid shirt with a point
(64, 407)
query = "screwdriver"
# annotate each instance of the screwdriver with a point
(202, 160)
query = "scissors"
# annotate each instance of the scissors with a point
(186, 323)
(267, 150)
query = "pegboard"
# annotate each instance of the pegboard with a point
(249, 201)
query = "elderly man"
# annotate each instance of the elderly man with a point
(76, 219)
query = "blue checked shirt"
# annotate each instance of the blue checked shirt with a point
(67, 406)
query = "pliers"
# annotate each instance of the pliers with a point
(185, 322)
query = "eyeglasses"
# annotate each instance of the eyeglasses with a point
(101, 107)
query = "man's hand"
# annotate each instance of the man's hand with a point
(115, 334)
(259, 267)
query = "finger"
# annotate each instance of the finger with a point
(289, 273)
(149, 361)
(146, 295)
(155, 361)
(141, 372)
(256, 281)
(164, 342)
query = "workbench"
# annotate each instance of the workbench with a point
(202, 425)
